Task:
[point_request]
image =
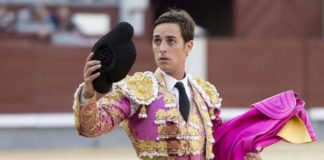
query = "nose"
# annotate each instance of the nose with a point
(163, 47)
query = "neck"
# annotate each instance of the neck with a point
(177, 75)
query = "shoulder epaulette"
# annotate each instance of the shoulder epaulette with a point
(208, 91)
(142, 87)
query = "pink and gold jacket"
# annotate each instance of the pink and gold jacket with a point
(156, 129)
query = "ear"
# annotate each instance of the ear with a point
(188, 46)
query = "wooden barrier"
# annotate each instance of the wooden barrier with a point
(246, 71)
(37, 77)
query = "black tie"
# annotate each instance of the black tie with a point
(183, 100)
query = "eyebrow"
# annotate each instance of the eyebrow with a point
(170, 36)
(156, 36)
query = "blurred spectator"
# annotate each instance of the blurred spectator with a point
(7, 20)
(35, 20)
(67, 32)
(62, 20)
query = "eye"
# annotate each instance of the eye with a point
(171, 41)
(156, 41)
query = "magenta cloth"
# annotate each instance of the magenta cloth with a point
(258, 126)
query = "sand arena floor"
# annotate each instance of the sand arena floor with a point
(279, 151)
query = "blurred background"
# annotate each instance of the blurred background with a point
(249, 50)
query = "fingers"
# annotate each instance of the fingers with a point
(89, 67)
(88, 90)
(252, 156)
(87, 60)
(88, 72)
(89, 63)
(92, 77)
(92, 65)
(89, 57)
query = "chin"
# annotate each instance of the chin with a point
(165, 69)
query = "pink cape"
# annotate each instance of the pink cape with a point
(257, 128)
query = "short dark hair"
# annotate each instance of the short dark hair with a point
(180, 17)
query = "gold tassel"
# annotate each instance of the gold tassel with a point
(142, 113)
(211, 113)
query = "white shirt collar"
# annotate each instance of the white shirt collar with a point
(170, 81)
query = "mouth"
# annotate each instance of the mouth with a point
(163, 59)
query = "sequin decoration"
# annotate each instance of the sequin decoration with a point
(170, 100)
(171, 131)
(142, 87)
(207, 90)
(172, 115)
(160, 116)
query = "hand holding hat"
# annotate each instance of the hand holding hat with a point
(116, 53)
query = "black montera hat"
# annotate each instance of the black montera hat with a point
(117, 54)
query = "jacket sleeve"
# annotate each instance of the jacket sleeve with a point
(95, 118)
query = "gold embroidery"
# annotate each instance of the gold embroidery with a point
(112, 97)
(163, 149)
(198, 99)
(209, 136)
(160, 116)
(195, 119)
(161, 132)
(194, 146)
(185, 147)
(97, 118)
(154, 150)
(140, 85)
(169, 99)
(205, 113)
(172, 115)
(159, 158)
(148, 146)
(161, 146)
(193, 131)
(204, 116)
(160, 96)
(163, 90)
(174, 147)
(200, 102)
(160, 79)
(211, 111)
(183, 131)
(209, 90)
(174, 131)
(209, 131)
(169, 131)
(210, 151)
